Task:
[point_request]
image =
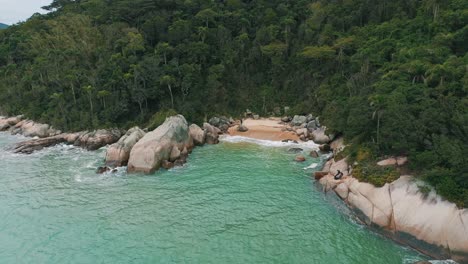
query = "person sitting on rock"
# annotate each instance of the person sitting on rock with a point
(338, 175)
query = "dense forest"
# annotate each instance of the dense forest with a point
(391, 76)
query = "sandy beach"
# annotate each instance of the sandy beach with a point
(267, 129)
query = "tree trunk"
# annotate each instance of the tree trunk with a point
(172, 98)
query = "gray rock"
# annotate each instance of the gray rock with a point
(300, 158)
(298, 120)
(242, 128)
(312, 125)
(314, 154)
(295, 150)
(310, 117)
(286, 119)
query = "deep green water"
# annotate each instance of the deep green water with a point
(232, 203)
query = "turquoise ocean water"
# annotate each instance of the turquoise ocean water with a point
(235, 202)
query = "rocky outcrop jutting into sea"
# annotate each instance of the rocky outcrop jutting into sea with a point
(170, 142)
(118, 153)
(401, 211)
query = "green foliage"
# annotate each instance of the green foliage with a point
(158, 118)
(369, 171)
(388, 75)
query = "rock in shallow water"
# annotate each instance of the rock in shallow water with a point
(155, 147)
(118, 153)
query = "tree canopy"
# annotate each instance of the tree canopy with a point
(390, 75)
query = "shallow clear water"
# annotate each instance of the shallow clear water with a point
(232, 203)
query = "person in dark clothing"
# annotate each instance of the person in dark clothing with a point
(338, 175)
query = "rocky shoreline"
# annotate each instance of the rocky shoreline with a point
(400, 210)
(167, 146)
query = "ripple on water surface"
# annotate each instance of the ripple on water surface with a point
(235, 202)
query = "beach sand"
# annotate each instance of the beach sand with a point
(267, 129)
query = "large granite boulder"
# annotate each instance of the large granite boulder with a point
(99, 138)
(212, 134)
(118, 153)
(171, 137)
(197, 134)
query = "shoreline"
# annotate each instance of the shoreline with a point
(363, 199)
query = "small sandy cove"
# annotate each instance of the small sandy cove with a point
(267, 129)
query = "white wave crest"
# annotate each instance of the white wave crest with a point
(309, 145)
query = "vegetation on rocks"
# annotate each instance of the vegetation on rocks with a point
(391, 75)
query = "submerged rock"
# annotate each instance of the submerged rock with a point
(300, 158)
(160, 145)
(295, 150)
(118, 153)
(29, 146)
(314, 154)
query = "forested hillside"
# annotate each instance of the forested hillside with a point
(391, 76)
(3, 26)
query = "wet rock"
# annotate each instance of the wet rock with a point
(314, 154)
(325, 148)
(101, 170)
(295, 150)
(320, 174)
(300, 158)
(289, 141)
(167, 164)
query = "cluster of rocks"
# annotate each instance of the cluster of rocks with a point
(166, 146)
(400, 210)
(169, 145)
(45, 135)
(307, 128)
